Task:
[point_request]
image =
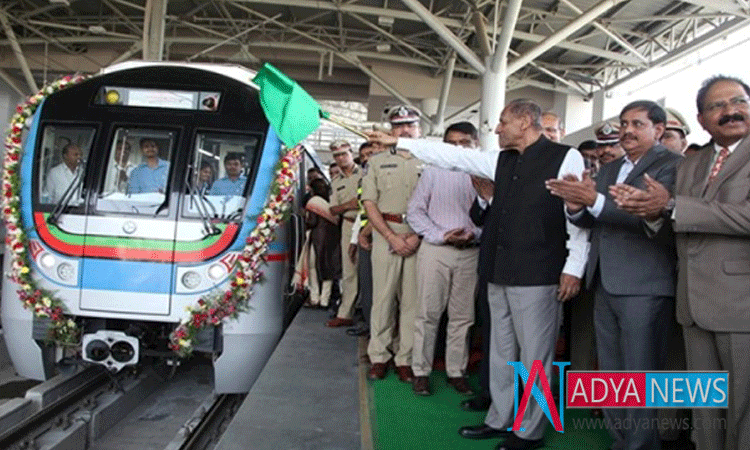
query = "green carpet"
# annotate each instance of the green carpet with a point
(403, 421)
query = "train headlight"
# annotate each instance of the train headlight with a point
(112, 97)
(65, 271)
(216, 271)
(47, 260)
(191, 279)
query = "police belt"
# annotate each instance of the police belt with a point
(397, 218)
(465, 246)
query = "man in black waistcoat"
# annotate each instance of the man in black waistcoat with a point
(530, 255)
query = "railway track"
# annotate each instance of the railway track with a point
(91, 410)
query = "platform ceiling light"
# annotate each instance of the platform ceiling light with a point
(382, 48)
(60, 2)
(384, 21)
(98, 29)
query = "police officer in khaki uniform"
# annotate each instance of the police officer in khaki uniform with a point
(344, 203)
(386, 190)
(675, 132)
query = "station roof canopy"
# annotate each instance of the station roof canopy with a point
(573, 46)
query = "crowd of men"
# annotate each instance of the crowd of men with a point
(639, 230)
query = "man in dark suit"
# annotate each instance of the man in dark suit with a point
(633, 275)
(710, 213)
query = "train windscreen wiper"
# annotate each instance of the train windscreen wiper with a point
(68, 195)
(202, 205)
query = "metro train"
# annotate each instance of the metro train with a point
(128, 245)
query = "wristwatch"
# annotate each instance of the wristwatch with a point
(667, 213)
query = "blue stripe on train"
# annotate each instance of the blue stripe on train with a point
(27, 164)
(127, 276)
(264, 179)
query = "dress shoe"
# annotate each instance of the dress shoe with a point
(405, 374)
(460, 385)
(421, 385)
(358, 331)
(478, 403)
(516, 443)
(339, 322)
(377, 371)
(482, 431)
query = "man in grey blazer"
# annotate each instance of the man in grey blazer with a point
(632, 274)
(710, 213)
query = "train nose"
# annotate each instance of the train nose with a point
(97, 350)
(112, 349)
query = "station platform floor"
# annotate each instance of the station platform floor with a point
(314, 394)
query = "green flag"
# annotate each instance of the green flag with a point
(292, 112)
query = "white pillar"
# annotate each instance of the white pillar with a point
(153, 30)
(493, 99)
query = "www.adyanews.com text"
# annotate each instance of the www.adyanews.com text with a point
(590, 423)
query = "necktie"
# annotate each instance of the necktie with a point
(723, 154)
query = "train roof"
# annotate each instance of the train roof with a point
(234, 71)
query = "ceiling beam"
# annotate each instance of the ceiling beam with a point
(446, 35)
(563, 33)
(724, 6)
(18, 52)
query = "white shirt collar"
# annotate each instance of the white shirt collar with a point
(717, 147)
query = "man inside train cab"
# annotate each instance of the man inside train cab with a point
(120, 168)
(151, 175)
(62, 175)
(234, 182)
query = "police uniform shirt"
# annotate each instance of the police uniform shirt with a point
(390, 180)
(345, 188)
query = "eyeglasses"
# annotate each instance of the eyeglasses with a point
(740, 102)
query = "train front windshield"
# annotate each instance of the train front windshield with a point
(135, 172)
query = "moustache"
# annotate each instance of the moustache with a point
(738, 117)
(628, 136)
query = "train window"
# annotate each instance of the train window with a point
(137, 171)
(218, 179)
(62, 163)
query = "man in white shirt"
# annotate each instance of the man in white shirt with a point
(526, 256)
(119, 172)
(62, 175)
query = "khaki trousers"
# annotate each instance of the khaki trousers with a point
(348, 274)
(394, 282)
(447, 276)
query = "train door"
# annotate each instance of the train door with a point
(129, 243)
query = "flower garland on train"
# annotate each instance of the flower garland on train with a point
(211, 309)
(41, 301)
